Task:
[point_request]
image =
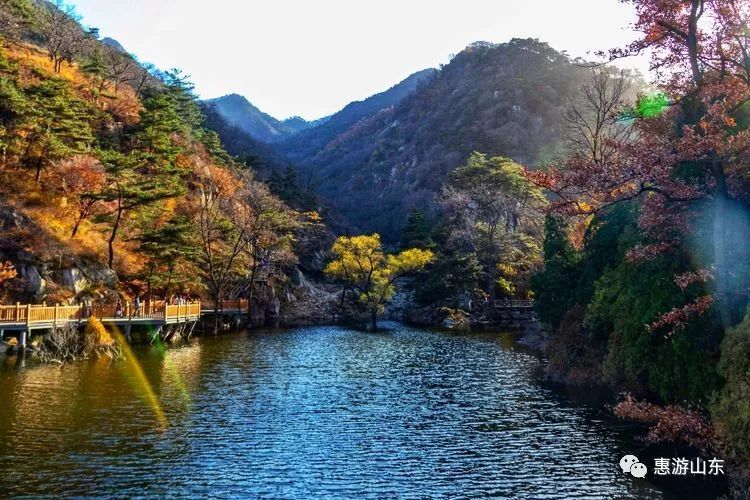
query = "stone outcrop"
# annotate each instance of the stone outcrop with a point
(305, 302)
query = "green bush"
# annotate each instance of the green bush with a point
(677, 367)
(555, 288)
(731, 409)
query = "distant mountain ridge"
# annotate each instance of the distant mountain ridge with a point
(315, 138)
(241, 113)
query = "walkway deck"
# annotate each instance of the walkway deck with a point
(29, 317)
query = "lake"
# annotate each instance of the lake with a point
(310, 412)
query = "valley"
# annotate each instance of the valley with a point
(512, 195)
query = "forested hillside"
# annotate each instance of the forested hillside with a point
(109, 181)
(505, 99)
(301, 147)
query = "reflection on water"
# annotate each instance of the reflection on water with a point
(313, 412)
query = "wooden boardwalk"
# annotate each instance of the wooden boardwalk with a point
(26, 318)
(513, 304)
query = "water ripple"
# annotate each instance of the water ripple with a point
(313, 412)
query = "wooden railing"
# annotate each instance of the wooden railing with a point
(58, 315)
(513, 304)
(226, 305)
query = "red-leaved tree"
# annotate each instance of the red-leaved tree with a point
(690, 147)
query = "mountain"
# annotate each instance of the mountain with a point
(111, 42)
(310, 135)
(238, 142)
(105, 170)
(238, 111)
(314, 138)
(505, 99)
(297, 124)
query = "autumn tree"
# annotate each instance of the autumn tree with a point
(81, 179)
(7, 272)
(496, 213)
(269, 237)
(363, 266)
(59, 26)
(692, 149)
(224, 223)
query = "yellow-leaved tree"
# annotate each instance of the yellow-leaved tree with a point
(363, 266)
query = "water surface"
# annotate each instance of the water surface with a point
(311, 412)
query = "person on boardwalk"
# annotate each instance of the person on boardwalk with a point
(118, 309)
(137, 306)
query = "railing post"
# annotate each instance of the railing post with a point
(57, 307)
(18, 312)
(28, 314)
(127, 309)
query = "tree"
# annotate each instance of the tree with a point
(64, 37)
(362, 265)
(495, 211)
(141, 76)
(417, 230)
(95, 66)
(552, 287)
(166, 247)
(119, 67)
(595, 124)
(269, 234)
(55, 127)
(82, 178)
(130, 187)
(7, 272)
(224, 222)
(692, 149)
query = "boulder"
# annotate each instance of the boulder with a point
(11, 219)
(296, 278)
(37, 284)
(73, 279)
(98, 273)
(464, 302)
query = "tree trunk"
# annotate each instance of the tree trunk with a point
(75, 227)
(374, 320)
(112, 237)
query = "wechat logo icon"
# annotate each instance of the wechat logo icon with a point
(631, 465)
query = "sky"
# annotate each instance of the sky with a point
(312, 57)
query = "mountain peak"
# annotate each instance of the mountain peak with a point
(241, 113)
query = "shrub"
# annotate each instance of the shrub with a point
(96, 338)
(70, 343)
(731, 408)
(676, 368)
(573, 357)
(668, 424)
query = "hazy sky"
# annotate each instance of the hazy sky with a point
(311, 57)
